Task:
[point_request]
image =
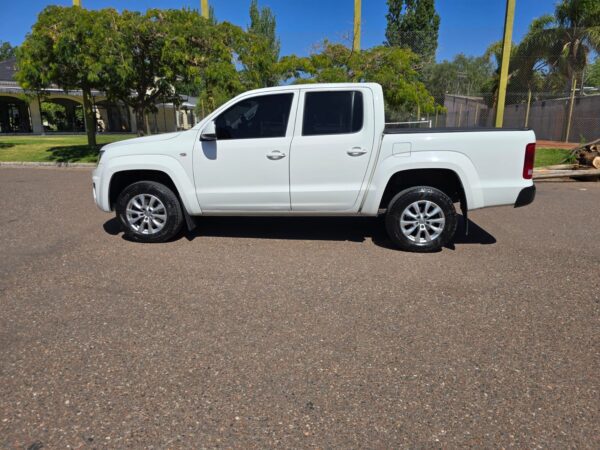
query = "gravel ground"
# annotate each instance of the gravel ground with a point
(255, 333)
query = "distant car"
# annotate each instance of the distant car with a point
(319, 150)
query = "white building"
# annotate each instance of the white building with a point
(62, 112)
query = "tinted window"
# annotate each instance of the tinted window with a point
(256, 117)
(332, 112)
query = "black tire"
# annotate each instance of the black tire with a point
(399, 204)
(174, 214)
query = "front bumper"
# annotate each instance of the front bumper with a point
(98, 190)
(526, 196)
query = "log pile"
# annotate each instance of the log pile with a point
(588, 155)
(586, 166)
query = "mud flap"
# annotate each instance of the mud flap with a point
(191, 222)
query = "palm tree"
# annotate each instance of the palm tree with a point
(565, 40)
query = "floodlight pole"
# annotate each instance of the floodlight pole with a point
(506, 44)
(204, 8)
(356, 36)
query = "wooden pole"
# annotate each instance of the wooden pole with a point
(506, 44)
(356, 36)
(528, 108)
(571, 103)
(204, 8)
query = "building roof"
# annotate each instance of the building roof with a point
(8, 68)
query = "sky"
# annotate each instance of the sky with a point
(467, 26)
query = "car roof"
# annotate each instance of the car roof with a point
(322, 86)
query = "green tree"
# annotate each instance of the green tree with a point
(464, 75)
(6, 51)
(566, 39)
(563, 42)
(413, 24)
(592, 75)
(528, 71)
(260, 54)
(221, 80)
(392, 67)
(59, 50)
(155, 56)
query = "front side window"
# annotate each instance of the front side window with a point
(332, 112)
(257, 117)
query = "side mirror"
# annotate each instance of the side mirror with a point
(209, 133)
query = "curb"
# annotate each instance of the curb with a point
(45, 164)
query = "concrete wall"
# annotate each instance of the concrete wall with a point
(464, 112)
(547, 118)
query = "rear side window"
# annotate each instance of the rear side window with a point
(332, 112)
(265, 116)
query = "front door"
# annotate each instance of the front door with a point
(247, 167)
(333, 142)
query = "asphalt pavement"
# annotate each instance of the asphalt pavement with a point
(295, 332)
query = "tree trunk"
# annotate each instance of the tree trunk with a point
(588, 154)
(147, 122)
(139, 120)
(88, 117)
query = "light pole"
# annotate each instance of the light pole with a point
(506, 44)
(356, 36)
(204, 8)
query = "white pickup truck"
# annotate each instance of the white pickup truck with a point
(316, 149)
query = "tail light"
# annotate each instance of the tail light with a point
(528, 164)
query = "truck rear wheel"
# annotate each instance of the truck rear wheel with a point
(149, 212)
(421, 219)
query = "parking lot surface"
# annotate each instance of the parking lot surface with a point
(263, 332)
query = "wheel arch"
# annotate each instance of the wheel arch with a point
(446, 180)
(123, 171)
(120, 180)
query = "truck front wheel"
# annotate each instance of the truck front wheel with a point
(149, 212)
(421, 219)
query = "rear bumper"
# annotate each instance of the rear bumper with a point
(526, 196)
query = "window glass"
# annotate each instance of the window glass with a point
(257, 117)
(333, 112)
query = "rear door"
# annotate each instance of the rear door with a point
(247, 167)
(333, 141)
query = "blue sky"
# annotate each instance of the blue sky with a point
(467, 26)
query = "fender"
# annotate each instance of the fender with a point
(161, 163)
(457, 162)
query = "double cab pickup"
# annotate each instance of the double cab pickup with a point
(313, 150)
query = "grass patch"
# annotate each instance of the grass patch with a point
(54, 148)
(551, 156)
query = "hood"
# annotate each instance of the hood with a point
(142, 140)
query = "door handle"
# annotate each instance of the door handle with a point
(356, 151)
(275, 155)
